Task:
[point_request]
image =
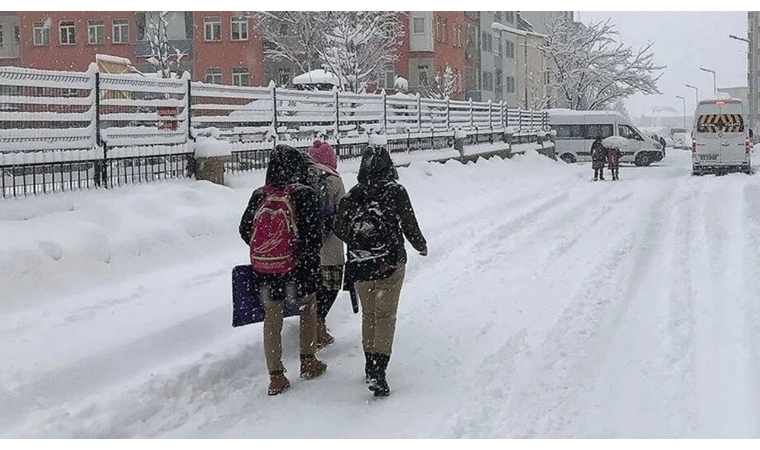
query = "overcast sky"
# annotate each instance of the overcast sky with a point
(684, 42)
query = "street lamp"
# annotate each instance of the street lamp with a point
(696, 92)
(715, 83)
(684, 109)
(750, 85)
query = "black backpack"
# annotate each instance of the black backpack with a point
(371, 239)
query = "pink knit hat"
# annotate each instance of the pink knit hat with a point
(323, 154)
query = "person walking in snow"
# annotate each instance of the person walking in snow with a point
(332, 257)
(283, 227)
(663, 144)
(373, 219)
(613, 158)
(598, 158)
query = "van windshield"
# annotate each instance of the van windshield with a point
(716, 123)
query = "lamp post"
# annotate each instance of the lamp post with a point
(715, 83)
(684, 109)
(696, 93)
(751, 95)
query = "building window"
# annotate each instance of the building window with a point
(239, 28)
(212, 28)
(423, 75)
(437, 28)
(214, 75)
(96, 31)
(387, 77)
(510, 49)
(487, 40)
(120, 31)
(510, 16)
(241, 76)
(140, 24)
(2, 41)
(419, 25)
(497, 16)
(41, 33)
(487, 81)
(67, 33)
(284, 76)
(510, 85)
(497, 51)
(443, 30)
(497, 81)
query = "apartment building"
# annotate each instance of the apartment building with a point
(10, 45)
(498, 61)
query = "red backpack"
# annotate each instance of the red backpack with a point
(274, 241)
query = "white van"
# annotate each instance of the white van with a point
(576, 131)
(720, 140)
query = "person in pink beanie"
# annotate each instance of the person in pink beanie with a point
(332, 254)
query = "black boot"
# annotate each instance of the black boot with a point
(377, 383)
(368, 361)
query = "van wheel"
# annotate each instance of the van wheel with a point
(696, 172)
(643, 159)
(569, 158)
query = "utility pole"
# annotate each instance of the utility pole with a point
(715, 83)
(684, 109)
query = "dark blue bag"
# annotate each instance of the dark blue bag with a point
(247, 307)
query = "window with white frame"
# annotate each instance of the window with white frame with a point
(418, 25)
(423, 75)
(214, 75)
(239, 28)
(487, 40)
(510, 16)
(120, 31)
(497, 49)
(67, 33)
(387, 77)
(96, 31)
(212, 27)
(2, 38)
(437, 28)
(241, 76)
(444, 25)
(41, 33)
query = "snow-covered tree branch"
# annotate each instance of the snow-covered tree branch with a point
(443, 86)
(357, 44)
(163, 57)
(294, 36)
(590, 69)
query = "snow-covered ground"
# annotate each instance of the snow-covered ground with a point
(549, 306)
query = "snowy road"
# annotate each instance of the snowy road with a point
(549, 306)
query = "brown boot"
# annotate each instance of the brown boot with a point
(311, 367)
(278, 383)
(323, 337)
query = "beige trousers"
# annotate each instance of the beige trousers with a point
(379, 300)
(273, 317)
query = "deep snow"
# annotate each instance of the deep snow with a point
(549, 306)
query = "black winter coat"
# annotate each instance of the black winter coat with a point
(288, 166)
(377, 181)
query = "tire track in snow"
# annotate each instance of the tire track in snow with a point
(544, 390)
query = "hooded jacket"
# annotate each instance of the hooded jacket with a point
(288, 166)
(377, 181)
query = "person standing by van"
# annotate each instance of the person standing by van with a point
(598, 158)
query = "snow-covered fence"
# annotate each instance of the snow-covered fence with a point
(72, 130)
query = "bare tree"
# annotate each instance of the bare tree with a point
(591, 69)
(357, 44)
(294, 36)
(164, 57)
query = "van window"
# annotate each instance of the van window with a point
(599, 131)
(570, 131)
(629, 133)
(715, 123)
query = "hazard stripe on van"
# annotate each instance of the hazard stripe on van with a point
(714, 123)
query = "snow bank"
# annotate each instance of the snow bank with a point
(401, 83)
(378, 139)
(208, 147)
(91, 234)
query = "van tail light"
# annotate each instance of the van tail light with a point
(747, 145)
(693, 146)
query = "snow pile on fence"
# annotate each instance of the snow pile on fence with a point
(208, 147)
